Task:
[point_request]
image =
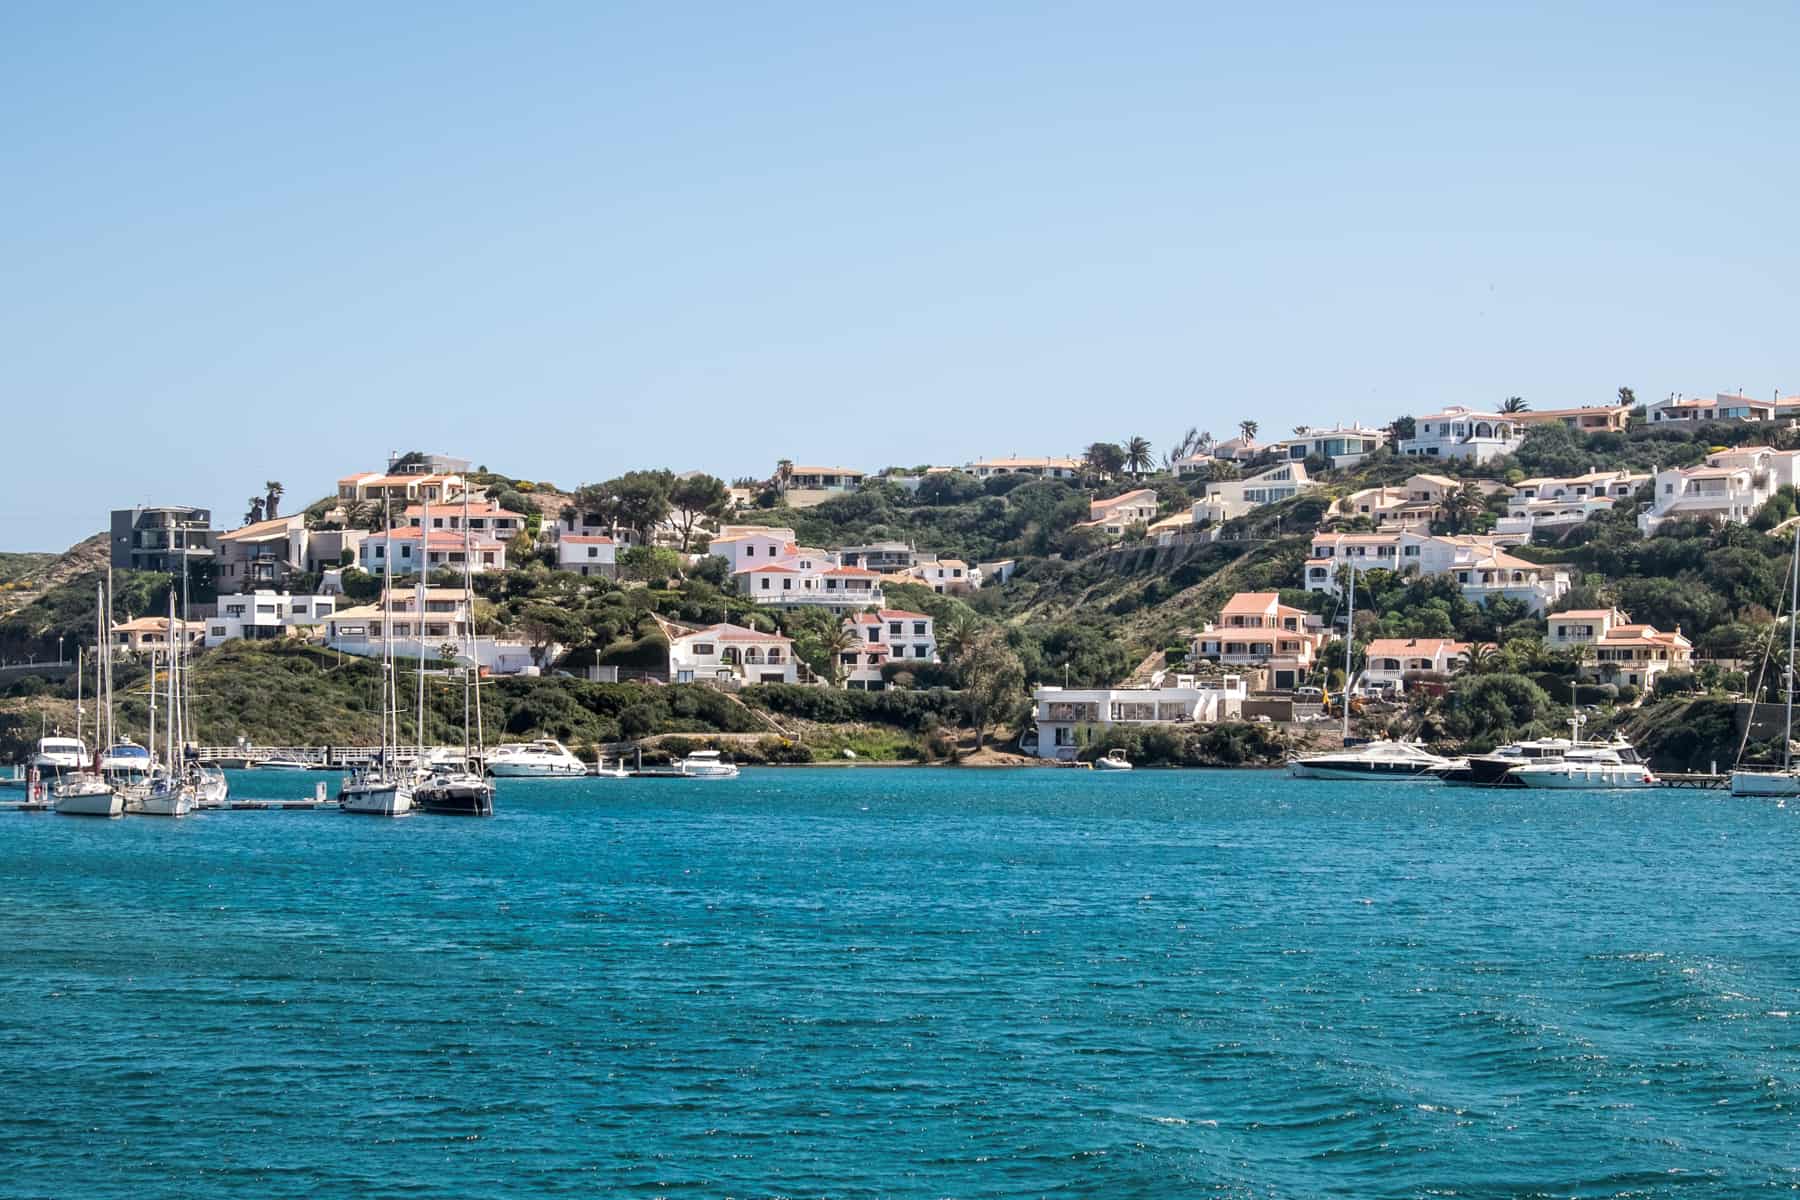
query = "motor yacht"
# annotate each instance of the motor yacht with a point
(1588, 767)
(1495, 768)
(1397, 761)
(126, 762)
(58, 755)
(542, 759)
(456, 793)
(706, 764)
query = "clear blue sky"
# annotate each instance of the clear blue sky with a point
(245, 242)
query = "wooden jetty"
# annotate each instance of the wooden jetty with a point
(1701, 780)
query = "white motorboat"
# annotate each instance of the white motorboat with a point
(126, 762)
(210, 787)
(284, 763)
(1115, 760)
(1589, 767)
(542, 759)
(1395, 761)
(86, 795)
(57, 755)
(376, 793)
(1495, 768)
(706, 764)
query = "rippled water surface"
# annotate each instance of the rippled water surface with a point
(921, 983)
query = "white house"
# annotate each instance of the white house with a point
(946, 576)
(1256, 630)
(484, 518)
(1730, 486)
(890, 635)
(728, 654)
(267, 614)
(1115, 515)
(412, 547)
(810, 577)
(436, 622)
(1341, 445)
(745, 546)
(152, 633)
(1480, 565)
(1724, 406)
(1395, 662)
(807, 486)
(1063, 712)
(587, 554)
(1227, 499)
(1622, 652)
(1463, 433)
(1043, 468)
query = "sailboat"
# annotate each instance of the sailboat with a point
(465, 792)
(1395, 761)
(211, 789)
(381, 789)
(1786, 781)
(169, 793)
(87, 793)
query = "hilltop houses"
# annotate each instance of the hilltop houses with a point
(1620, 651)
(1228, 499)
(1602, 418)
(430, 620)
(1556, 503)
(587, 554)
(142, 634)
(1114, 516)
(1339, 446)
(1480, 565)
(1722, 407)
(1400, 662)
(1729, 486)
(1064, 713)
(160, 537)
(804, 487)
(946, 576)
(264, 614)
(1463, 433)
(409, 550)
(1042, 468)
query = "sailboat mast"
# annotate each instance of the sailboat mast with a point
(468, 607)
(390, 700)
(174, 672)
(79, 665)
(106, 604)
(99, 668)
(419, 624)
(473, 639)
(1349, 646)
(1787, 740)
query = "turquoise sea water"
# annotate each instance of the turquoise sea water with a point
(916, 983)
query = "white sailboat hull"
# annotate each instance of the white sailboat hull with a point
(376, 799)
(90, 804)
(1765, 783)
(212, 790)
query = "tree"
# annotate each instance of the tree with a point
(992, 680)
(1185, 445)
(835, 643)
(1627, 396)
(1105, 459)
(1463, 506)
(638, 500)
(693, 497)
(784, 473)
(545, 625)
(272, 499)
(645, 563)
(1138, 456)
(957, 634)
(1514, 404)
(255, 512)
(1247, 429)
(1402, 428)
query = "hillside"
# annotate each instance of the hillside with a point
(26, 577)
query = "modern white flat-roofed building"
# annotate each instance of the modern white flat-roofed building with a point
(1064, 713)
(1045, 468)
(1730, 486)
(1341, 445)
(415, 549)
(267, 614)
(1228, 499)
(807, 486)
(887, 636)
(1256, 630)
(1619, 485)
(1480, 565)
(1463, 433)
(745, 546)
(728, 654)
(810, 577)
(442, 626)
(1723, 407)
(946, 576)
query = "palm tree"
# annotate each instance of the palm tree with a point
(958, 634)
(1514, 404)
(255, 513)
(1138, 457)
(272, 499)
(784, 473)
(1462, 506)
(1481, 658)
(1248, 430)
(835, 643)
(1185, 445)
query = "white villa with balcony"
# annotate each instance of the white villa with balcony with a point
(1730, 486)
(1397, 662)
(1463, 433)
(1062, 713)
(1255, 630)
(1557, 503)
(1724, 406)
(267, 614)
(1117, 514)
(1043, 468)
(728, 654)
(1341, 445)
(1623, 652)
(484, 518)
(436, 621)
(807, 486)
(890, 635)
(1228, 499)
(1479, 564)
(810, 577)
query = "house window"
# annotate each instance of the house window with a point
(787, 585)
(765, 583)
(918, 629)
(750, 551)
(703, 649)
(919, 652)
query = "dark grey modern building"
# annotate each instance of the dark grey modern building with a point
(156, 537)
